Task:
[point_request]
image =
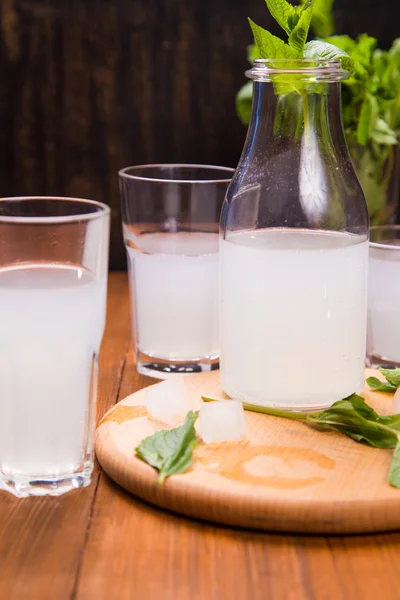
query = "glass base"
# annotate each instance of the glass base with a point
(287, 406)
(22, 487)
(164, 369)
(319, 401)
(376, 362)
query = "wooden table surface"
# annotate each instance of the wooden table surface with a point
(100, 543)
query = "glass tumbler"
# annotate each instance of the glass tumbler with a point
(53, 277)
(383, 338)
(170, 219)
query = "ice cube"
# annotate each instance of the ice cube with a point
(222, 421)
(168, 401)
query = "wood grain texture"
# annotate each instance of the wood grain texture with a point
(135, 550)
(90, 86)
(284, 476)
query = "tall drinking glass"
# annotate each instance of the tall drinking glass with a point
(53, 277)
(170, 219)
(383, 339)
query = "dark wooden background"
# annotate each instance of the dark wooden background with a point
(90, 86)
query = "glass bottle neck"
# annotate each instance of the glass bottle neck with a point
(285, 119)
(295, 167)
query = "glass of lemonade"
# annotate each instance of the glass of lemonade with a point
(383, 338)
(170, 217)
(53, 278)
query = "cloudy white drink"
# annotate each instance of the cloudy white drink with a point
(384, 305)
(174, 287)
(293, 316)
(51, 324)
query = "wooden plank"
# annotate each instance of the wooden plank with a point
(135, 550)
(352, 567)
(42, 539)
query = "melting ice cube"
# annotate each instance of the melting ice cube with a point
(168, 401)
(222, 421)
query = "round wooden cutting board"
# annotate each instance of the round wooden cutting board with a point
(285, 476)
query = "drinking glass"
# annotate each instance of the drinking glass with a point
(383, 339)
(53, 277)
(170, 217)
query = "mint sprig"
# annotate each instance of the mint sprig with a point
(370, 96)
(299, 33)
(352, 417)
(269, 45)
(285, 14)
(295, 21)
(319, 50)
(170, 451)
(377, 385)
(391, 384)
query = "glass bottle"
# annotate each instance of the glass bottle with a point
(294, 246)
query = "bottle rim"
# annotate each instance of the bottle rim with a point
(77, 210)
(313, 70)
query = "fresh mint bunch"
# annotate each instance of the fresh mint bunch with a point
(374, 90)
(370, 96)
(371, 118)
(295, 21)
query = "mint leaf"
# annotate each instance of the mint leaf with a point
(293, 20)
(381, 133)
(343, 417)
(269, 45)
(284, 13)
(368, 114)
(322, 18)
(252, 53)
(394, 51)
(394, 472)
(298, 35)
(392, 376)
(368, 168)
(392, 421)
(318, 50)
(380, 386)
(349, 46)
(244, 101)
(364, 49)
(360, 406)
(363, 409)
(344, 42)
(170, 451)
